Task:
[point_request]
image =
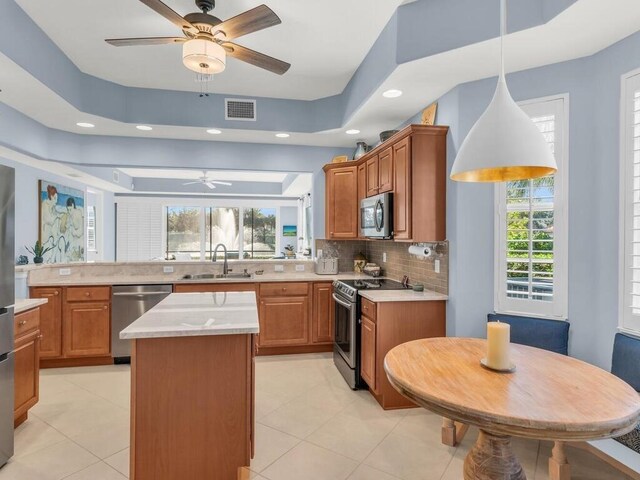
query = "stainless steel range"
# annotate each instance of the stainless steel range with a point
(346, 347)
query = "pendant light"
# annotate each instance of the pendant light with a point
(504, 144)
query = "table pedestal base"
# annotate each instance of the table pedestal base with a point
(491, 458)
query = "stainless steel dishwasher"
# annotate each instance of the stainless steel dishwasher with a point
(128, 303)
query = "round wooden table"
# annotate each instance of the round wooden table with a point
(548, 397)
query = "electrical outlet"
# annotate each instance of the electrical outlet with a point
(64, 272)
(299, 268)
(436, 266)
(319, 253)
(167, 269)
(384, 257)
(278, 268)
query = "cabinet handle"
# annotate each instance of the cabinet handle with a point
(41, 336)
(86, 294)
(105, 307)
(22, 322)
(56, 293)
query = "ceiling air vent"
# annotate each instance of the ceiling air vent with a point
(236, 109)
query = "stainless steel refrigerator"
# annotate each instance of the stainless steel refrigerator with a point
(7, 298)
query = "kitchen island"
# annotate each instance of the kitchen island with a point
(192, 386)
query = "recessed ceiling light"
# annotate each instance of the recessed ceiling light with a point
(85, 124)
(145, 128)
(392, 93)
(214, 131)
(353, 131)
(282, 135)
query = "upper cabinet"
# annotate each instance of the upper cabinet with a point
(413, 165)
(341, 197)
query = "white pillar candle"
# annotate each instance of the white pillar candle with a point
(498, 338)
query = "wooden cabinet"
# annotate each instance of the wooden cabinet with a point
(414, 167)
(368, 352)
(386, 325)
(402, 197)
(27, 364)
(284, 321)
(341, 203)
(373, 183)
(87, 329)
(362, 191)
(75, 325)
(385, 170)
(323, 318)
(50, 321)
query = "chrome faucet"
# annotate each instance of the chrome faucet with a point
(225, 266)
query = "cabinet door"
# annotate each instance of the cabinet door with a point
(87, 329)
(50, 321)
(342, 203)
(368, 352)
(362, 190)
(402, 190)
(323, 313)
(284, 321)
(26, 373)
(385, 170)
(372, 176)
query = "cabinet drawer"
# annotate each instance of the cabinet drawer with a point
(283, 289)
(26, 322)
(84, 294)
(368, 308)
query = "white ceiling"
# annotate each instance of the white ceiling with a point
(325, 41)
(225, 175)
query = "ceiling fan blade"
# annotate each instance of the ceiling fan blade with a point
(210, 185)
(192, 183)
(170, 15)
(217, 182)
(250, 21)
(256, 58)
(133, 42)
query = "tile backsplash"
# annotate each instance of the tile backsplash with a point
(399, 261)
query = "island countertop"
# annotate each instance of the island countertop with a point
(198, 314)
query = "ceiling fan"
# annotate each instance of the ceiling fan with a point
(207, 39)
(204, 180)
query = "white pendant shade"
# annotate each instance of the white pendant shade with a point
(504, 144)
(203, 56)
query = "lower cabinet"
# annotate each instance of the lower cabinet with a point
(284, 321)
(27, 365)
(86, 329)
(386, 325)
(50, 321)
(323, 319)
(368, 352)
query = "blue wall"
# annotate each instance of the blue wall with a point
(27, 208)
(593, 85)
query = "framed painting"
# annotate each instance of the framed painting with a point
(289, 231)
(62, 224)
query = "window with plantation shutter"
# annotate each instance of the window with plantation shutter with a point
(630, 219)
(91, 229)
(531, 228)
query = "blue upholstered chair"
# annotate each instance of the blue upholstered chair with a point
(552, 335)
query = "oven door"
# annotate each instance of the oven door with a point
(345, 329)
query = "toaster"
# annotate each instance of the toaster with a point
(326, 266)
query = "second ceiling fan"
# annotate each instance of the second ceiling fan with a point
(207, 39)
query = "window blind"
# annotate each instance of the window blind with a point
(139, 228)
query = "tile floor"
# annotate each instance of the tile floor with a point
(310, 426)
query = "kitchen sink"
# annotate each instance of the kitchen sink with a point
(212, 276)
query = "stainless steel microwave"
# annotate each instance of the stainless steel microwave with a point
(376, 216)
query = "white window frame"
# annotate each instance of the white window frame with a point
(630, 82)
(558, 307)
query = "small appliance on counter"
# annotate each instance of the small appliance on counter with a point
(372, 269)
(326, 266)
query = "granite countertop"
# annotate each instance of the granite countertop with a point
(24, 304)
(172, 278)
(198, 314)
(378, 296)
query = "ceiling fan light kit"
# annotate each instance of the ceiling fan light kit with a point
(204, 56)
(504, 144)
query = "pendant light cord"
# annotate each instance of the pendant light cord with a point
(503, 32)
